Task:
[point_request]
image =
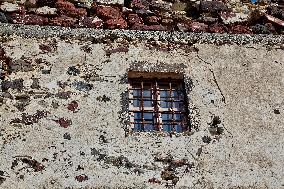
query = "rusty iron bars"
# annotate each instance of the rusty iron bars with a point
(157, 105)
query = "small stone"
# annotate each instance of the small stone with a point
(139, 4)
(198, 27)
(126, 10)
(64, 21)
(63, 95)
(207, 19)
(182, 27)
(144, 12)
(156, 28)
(3, 18)
(167, 22)
(260, 29)
(35, 84)
(81, 178)
(168, 175)
(134, 19)
(94, 7)
(67, 136)
(30, 3)
(229, 17)
(154, 181)
(45, 71)
(161, 6)
(212, 6)
(80, 12)
(63, 122)
(54, 104)
(28, 19)
(6, 95)
(72, 70)
(69, 9)
(276, 111)
(262, 2)
(206, 139)
(73, 106)
(119, 23)
(152, 20)
(45, 48)
(21, 65)
(117, 50)
(240, 29)
(84, 3)
(31, 119)
(165, 15)
(11, 7)
(218, 28)
(90, 22)
(46, 11)
(199, 151)
(107, 12)
(179, 6)
(82, 86)
(94, 152)
(103, 98)
(111, 2)
(148, 28)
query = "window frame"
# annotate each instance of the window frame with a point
(156, 99)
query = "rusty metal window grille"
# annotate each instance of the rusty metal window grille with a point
(157, 105)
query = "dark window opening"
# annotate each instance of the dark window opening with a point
(158, 104)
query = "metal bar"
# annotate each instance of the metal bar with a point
(156, 107)
(171, 101)
(161, 123)
(142, 104)
(160, 80)
(149, 111)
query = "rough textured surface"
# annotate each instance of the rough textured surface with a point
(259, 17)
(63, 110)
(172, 37)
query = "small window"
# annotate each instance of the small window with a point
(157, 103)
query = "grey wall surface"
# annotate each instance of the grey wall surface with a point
(64, 119)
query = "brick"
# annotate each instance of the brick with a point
(106, 12)
(119, 23)
(64, 21)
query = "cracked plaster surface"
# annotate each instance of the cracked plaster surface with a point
(90, 146)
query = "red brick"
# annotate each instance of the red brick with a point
(64, 21)
(69, 9)
(119, 23)
(152, 20)
(90, 22)
(167, 21)
(240, 29)
(106, 12)
(198, 27)
(134, 19)
(218, 28)
(140, 4)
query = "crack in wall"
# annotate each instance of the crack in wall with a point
(214, 78)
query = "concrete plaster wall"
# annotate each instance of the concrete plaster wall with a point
(63, 111)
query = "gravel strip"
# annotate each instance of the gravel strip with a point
(33, 31)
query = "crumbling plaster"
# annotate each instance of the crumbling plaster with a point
(82, 139)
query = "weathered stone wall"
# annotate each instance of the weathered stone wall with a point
(63, 110)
